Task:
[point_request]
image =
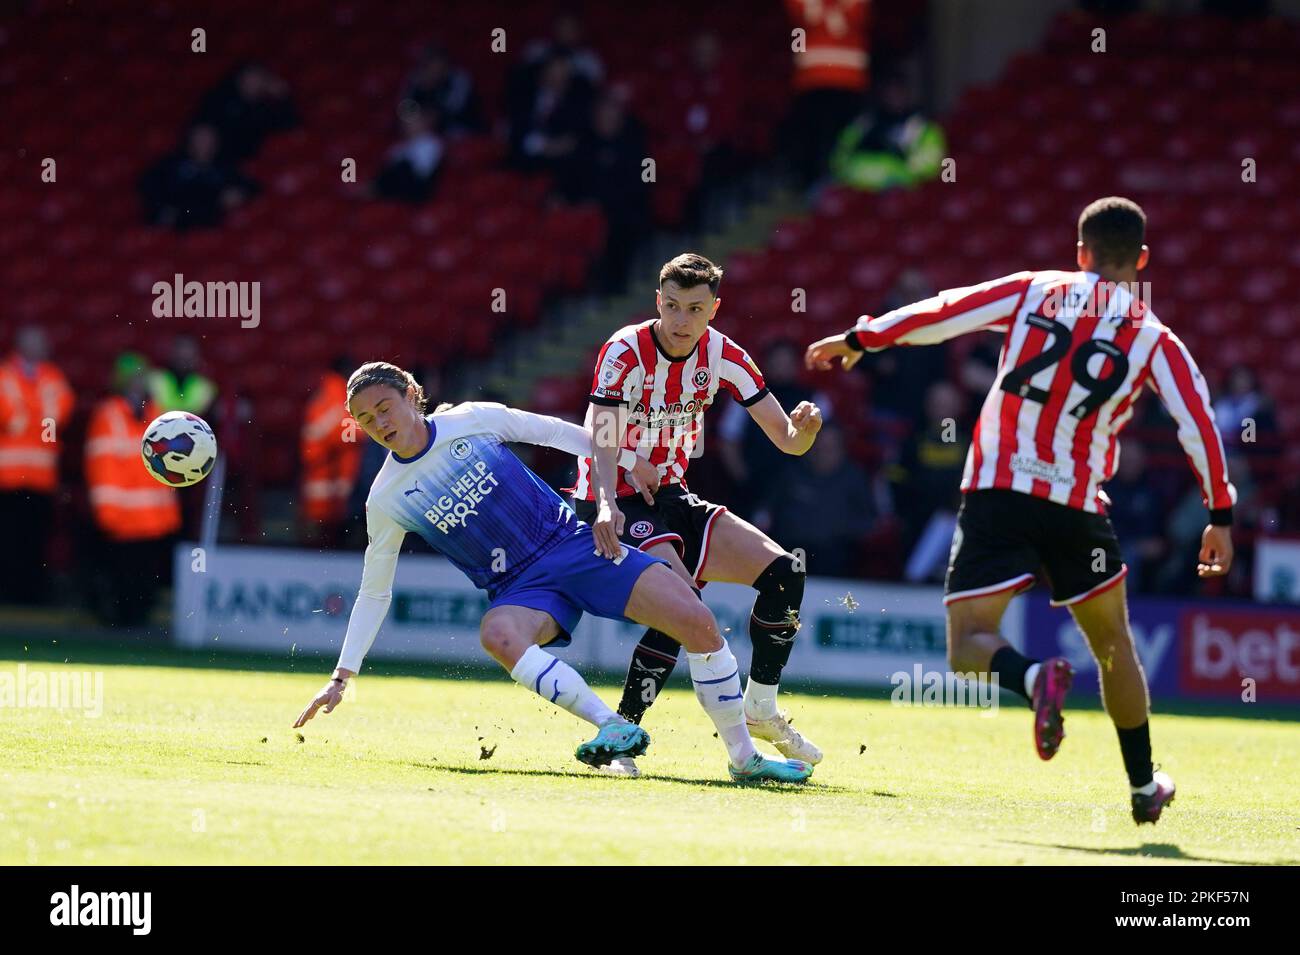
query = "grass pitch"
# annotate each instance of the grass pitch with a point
(193, 760)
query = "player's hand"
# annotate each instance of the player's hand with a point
(820, 354)
(644, 476)
(806, 417)
(329, 697)
(607, 529)
(1216, 552)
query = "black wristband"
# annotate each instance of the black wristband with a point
(851, 339)
(1221, 516)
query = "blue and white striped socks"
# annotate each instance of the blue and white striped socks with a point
(716, 676)
(555, 681)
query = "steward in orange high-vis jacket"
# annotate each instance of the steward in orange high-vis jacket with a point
(136, 516)
(35, 403)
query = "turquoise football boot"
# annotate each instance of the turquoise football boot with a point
(616, 738)
(760, 769)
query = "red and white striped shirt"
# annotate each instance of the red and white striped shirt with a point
(1076, 355)
(665, 397)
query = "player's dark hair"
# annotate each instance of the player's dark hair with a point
(689, 270)
(384, 373)
(1114, 228)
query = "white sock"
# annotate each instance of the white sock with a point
(760, 700)
(716, 676)
(1030, 676)
(555, 681)
(1147, 790)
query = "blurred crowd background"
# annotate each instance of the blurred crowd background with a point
(410, 184)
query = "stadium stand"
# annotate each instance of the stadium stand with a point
(415, 283)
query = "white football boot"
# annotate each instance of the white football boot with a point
(622, 766)
(789, 741)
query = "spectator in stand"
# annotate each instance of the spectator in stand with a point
(411, 167)
(1241, 404)
(1246, 419)
(748, 455)
(891, 143)
(245, 108)
(192, 188)
(547, 126)
(831, 537)
(136, 518)
(927, 482)
(567, 43)
(439, 86)
(901, 376)
(330, 445)
(1138, 511)
(178, 386)
(607, 170)
(709, 91)
(35, 403)
(831, 73)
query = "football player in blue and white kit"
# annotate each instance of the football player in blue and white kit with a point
(450, 478)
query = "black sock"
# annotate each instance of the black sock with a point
(1135, 744)
(1011, 667)
(652, 664)
(775, 620)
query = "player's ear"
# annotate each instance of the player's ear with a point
(1143, 257)
(714, 312)
(1083, 256)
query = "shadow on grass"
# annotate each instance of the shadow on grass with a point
(153, 651)
(784, 789)
(1158, 850)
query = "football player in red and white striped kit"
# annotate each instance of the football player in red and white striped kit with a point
(652, 384)
(1078, 350)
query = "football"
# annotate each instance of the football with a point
(179, 448)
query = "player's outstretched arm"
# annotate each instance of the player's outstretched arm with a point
(989, 306)
(368, 611)
(1178, 382)
(794, 434)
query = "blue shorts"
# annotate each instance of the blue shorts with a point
(572, 579)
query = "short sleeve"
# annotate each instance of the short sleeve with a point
(739, 374)
(618, 369)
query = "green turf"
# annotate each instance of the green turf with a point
(199, 764)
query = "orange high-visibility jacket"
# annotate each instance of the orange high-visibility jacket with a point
(329, 463)
(29, 403)
(835, 53)
(128, 502)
